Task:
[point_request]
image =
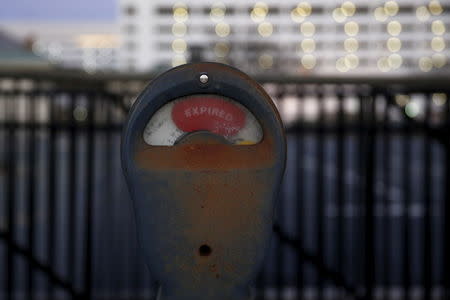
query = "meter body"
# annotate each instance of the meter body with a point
(203, 152)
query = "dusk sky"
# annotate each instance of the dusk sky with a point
(58, 10)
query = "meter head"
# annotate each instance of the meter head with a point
(208, 100)
(203, 152)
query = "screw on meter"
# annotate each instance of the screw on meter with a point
(203, 152)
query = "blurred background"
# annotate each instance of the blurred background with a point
(362, 87)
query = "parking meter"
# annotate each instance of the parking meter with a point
(203, 152)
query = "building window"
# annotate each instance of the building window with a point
(129, 28)
(165, 29)
(363, 28)
(131, 46)
(274, 10)
(364, 10)
(130, 10)
(165, 10)
(364, 45)
(319, 10)
(410, 9)
(164, 46)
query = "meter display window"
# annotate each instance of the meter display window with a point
(216, 114)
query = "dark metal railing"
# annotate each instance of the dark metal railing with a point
(363, 210)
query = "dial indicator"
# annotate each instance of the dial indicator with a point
(219, 115)
(209, 113)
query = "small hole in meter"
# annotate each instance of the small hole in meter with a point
(204, 250)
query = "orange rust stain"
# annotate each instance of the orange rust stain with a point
(232, 221)
(213, 268)
(224, 204)
(205, 156)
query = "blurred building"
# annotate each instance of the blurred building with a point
(290, 36)
(14, 54)
(88, 46)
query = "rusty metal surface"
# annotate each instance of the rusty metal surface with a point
(204, 209)
(200, 156)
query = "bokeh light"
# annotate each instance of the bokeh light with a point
(179, 46)
(412, 109)
(383, 64)
(339, 15)
(402, 100)
(394, 44)
(218, 11)
(394, 28)
(308, 29)
(179, 29)
(439, 60)
(395, 61)
(265, 29)
(296, 17)
(308, 61)
(308, 45)
(435, 7)
(439, 99)
(391, 8)
(351, 45)
(380, 14)
(221, 49)
(222, 29)
(351, 28)
(348, 8)
(265, 61)
(303, 9)
(425, 64)
(422, 13)
(259, 12)
(351, 61)
(180, 12)
(341, 66)
(438, 27)
(438, 44)
(80, 113)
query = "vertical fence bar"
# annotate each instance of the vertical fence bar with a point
(340, 173)
(299, 175)
(406, 164)
(31, 189)
(109, 169)
(427, 205)
(319, 189)
(278, 245)
(369, 262)
(51, 156)
(446, 236)
(89, 197)
(72, 183)
(10, 186)
(279, 260)
(386, 204)
(363, 132)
